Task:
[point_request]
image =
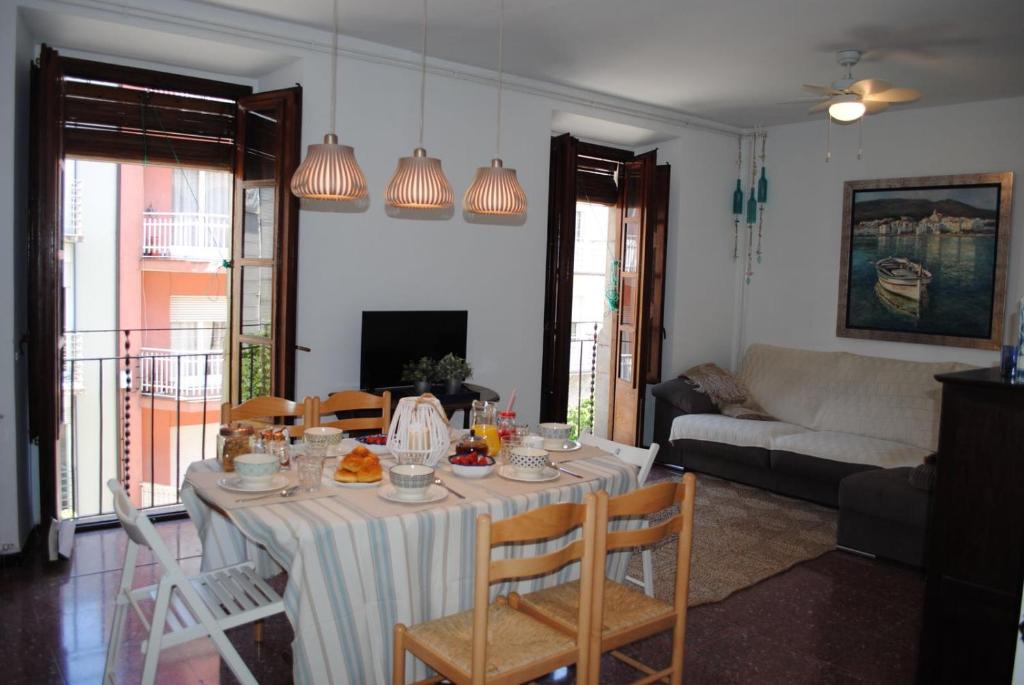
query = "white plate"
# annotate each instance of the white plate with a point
(235, 484)
(354, 486)
(435, 493)
(349, 444)
(573, 445)
(512, 473)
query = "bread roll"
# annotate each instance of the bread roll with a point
(344, 476)
(370, 473)
(352, 462)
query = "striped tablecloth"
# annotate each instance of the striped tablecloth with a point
(358, 564)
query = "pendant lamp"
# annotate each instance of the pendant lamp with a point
(419, 182)
(495, 190)
(330, 171)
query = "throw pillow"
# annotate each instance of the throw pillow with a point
(922, 476)
(728, 392)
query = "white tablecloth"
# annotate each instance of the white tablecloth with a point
(358, 564)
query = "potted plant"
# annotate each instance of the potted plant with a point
(453, 369)
(420, 372)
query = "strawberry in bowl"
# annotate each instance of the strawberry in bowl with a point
(471, 465)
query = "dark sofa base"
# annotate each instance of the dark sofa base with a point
(808, 478)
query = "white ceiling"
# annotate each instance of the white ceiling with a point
(726, 60)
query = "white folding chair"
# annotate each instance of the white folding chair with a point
(643, 460)
(204, 605)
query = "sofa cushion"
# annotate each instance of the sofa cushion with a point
(725, 429)
(885, 494)
(684, 395)
(848, 448)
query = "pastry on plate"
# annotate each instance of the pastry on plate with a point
(371, 472)
(345, 476)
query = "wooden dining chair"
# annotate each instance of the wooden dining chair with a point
(643, 459)
(184, 608)
(492, 643)
(267, 409)
(626, 615)
(352, 401)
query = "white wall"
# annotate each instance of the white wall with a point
(793, 294)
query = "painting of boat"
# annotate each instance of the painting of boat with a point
(901, 306)
(903, 277)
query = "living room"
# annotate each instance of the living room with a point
(698, 82)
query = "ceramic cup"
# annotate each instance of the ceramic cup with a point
(528, 461)
(534, 441)
(256, 469)
(411, 480)
(555, 430)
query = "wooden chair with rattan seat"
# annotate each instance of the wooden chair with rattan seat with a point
(626, 614)
(351, 401)
(266, 409)
(492, 643)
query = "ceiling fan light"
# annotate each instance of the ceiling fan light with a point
(847, 108)
(329, 172)
(419, 183)
(495, 191)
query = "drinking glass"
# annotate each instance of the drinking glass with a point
(310, 469)
(1008, 361)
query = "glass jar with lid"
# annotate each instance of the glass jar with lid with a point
(233, 440)
(483, 420)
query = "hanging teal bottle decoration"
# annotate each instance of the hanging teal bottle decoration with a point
(752, 207)
(762, 188)
(737, 198)
(762, 195)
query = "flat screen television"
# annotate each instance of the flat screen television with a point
(391, 339)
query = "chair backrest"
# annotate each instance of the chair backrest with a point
(352, 401)
(649, 500)
(267, 409)
(139, 528)
(545, 523)
(637, 456)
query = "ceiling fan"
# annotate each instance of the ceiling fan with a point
(848, 99)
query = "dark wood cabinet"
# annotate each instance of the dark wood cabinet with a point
(976, 533)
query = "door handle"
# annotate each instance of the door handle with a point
(303, 348)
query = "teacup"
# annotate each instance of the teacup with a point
(528, 461)
(534, 441)
(411, 480)
(555, 430)
(320, 439)
(256, 469)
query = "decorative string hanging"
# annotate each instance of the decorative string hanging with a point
(737, 199)
(762, 194)
(751, 209)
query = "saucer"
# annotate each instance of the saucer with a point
(434, 493)
(236, 484)
(355, 486)
(511, 473)
(566, 446)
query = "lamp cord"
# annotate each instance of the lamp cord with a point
(334, 72)
(423, 72)
(501, 36)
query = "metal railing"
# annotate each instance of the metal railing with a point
(140, 415)
(582, 375)
(186, 235)
(181, 374)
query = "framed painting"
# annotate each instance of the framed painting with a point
(924, 259)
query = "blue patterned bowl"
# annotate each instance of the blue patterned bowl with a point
(256, 469)
(411, 480)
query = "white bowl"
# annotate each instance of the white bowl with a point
(256, 469)
(411, 480)
(472, 471)
(528, 460)
(323, 436)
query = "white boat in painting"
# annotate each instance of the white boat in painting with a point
(903, 277)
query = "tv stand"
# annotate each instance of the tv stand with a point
(461, 401)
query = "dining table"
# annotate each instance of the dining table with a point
(358, 563)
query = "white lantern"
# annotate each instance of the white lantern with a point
(419, 431)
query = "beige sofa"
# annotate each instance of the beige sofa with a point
(837, 413)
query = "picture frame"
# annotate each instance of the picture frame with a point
(924, 259)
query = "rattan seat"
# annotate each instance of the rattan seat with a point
(514, 640)
(624, 607)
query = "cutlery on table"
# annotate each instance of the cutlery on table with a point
(555, 464)
(284, 492)
(438, 481)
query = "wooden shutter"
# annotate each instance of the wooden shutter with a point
(265, 245)
(127, 114)
(558, 287)
(45, 287)
(654, 273)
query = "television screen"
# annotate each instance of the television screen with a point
(391, 339)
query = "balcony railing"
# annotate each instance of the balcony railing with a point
(188, 376)
(187, 236)
(582, 375)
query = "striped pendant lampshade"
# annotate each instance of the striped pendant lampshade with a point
(329, 172)
(496, 191)
(419, 183)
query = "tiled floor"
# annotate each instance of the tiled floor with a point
(836, 619)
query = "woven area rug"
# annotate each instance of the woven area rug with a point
(741, 535)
